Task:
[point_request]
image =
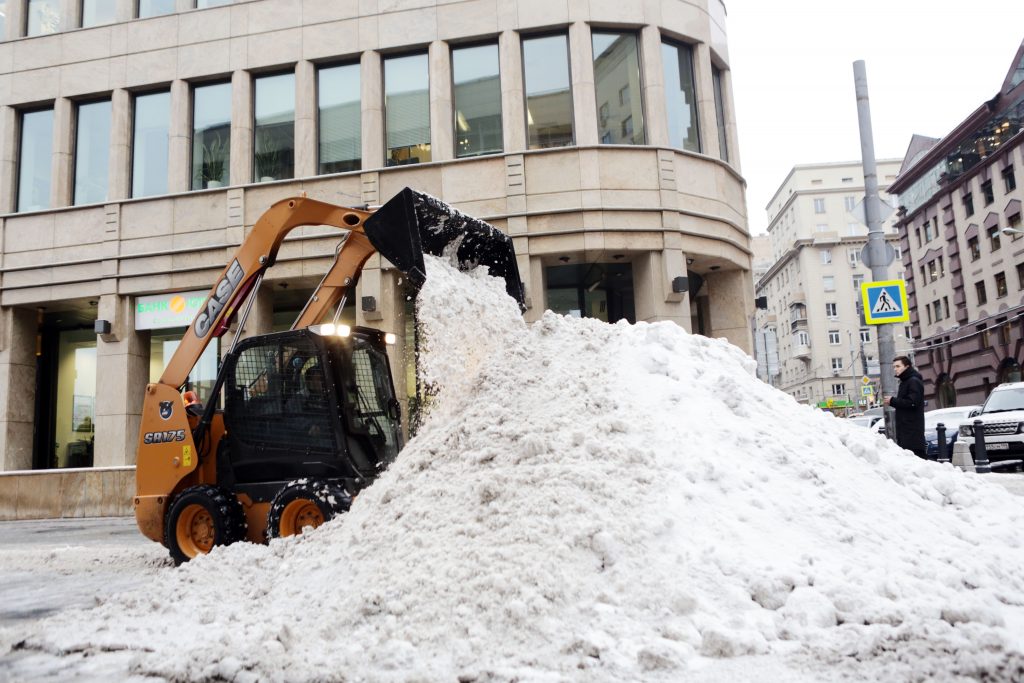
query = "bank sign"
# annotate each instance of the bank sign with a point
(177, 309)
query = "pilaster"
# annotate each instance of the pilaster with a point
(17, 387)
(122, 360)
(241, 128)
(179, 152)
(703, 82)
(371, 85)
(305, 120)
(441, 114)
(584, 98)
(513, 106)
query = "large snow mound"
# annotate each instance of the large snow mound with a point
(595, 502)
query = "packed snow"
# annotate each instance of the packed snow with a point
(599, 502)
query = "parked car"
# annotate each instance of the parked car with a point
(1003, 418)
(951, 418)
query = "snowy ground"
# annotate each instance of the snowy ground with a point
(585, 503)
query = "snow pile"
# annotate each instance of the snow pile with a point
(593, 502)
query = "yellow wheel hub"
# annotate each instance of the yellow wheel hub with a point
(299, 514)
(195, 530)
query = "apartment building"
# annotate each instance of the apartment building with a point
(813, 285)
(140, 141)
(960, 230)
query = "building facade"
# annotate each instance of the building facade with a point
(140, 141)
(813, 286)
(960, 229)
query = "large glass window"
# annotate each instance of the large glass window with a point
(548, 93)
(407, 109)
(96, 12)
(723, 145)
(274, 148)
(620, 115)
(341, 120)
(477, 100)
(92, 152)
(680, 96)
(592, 290)
(211, 135)
(43, 17)
(149, 144)
(36, 155)
(76, 398)
(3, 20)
(154, 8)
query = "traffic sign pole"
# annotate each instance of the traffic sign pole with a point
(876, 235)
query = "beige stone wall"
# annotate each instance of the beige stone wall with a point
(44, 494)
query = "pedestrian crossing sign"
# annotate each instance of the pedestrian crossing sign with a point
(885, 302)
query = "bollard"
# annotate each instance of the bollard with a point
(940, 430)
(981, 464)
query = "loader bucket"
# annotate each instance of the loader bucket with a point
(413, 223)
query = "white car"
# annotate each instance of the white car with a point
(1003, 418)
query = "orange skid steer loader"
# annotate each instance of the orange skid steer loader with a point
(309, 415)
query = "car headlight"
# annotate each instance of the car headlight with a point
(966, 430)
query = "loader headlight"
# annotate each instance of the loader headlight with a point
(330, 330)
(390, 338)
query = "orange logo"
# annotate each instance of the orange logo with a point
(177, 304)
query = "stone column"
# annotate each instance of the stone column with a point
(15, 19)
(730, 304)
(655, 112)
(63, 139)
(584, 97)
(179, 172)
(305, 120)
(125, 10)
(122, 360)
(70, 14)
(652, 287)
(731, 135)
(120, 145)
(704, 83)
(441, 113)
(513, 104)
(8, 162)
(241, 128)
(371, 80)
(18, 329)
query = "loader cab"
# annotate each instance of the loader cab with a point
(317, 402)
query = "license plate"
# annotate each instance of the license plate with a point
(997, 446)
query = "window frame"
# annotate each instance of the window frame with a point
(133, 107)
(78, 104)
(19, 147)
(455, 105)
(316, 115)
(523, 39)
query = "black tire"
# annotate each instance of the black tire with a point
(202, 517)
(305, 502)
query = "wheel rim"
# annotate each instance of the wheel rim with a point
(195, 531)
(299, 514)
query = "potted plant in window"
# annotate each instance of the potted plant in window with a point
(214, 158)
(268, 158)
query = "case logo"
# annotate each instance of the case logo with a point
(219, 299)
(166, 409)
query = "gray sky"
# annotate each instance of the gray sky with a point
(928, 66)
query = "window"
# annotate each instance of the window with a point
(154, 8)
(934, 269)
(274, 133)
(853, 229)
(994, 241)
(831, 310)
(3, 20)
(838, 389)
(828, 283)
(616, 76)
(35, 158)
(974, 248)
(968, 204)
(477, 91)
(858, 280)
(927, 231)
(853, 256)
(680, 96)
(865, 336)
(837, 364)
(802, 338)
(917, 234)
(341, 120)
(407, 109)
(43, 17)
(928, 310)
(1000, 285)
(1009, 181)
(945, 306)
(716, 81)
(826, 256)
(149, 144)
(833, 337)
(986, 190)
(937, 306)
(548, 93)
(979, 289)
(92, 152)
(201, 4)
(899, 253)
(849, 203)
(211, 135)
(821, 227)
(97, 12)
(819, 205)
(1020, 275)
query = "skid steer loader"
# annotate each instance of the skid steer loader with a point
(309, 415)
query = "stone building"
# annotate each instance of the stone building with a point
(813, 285)
(960, 229)
(140, 141)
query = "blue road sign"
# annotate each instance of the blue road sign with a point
(885, 302)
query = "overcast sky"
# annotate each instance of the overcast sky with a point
(928, 67)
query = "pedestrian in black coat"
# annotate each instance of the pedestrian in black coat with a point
(909, 406)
